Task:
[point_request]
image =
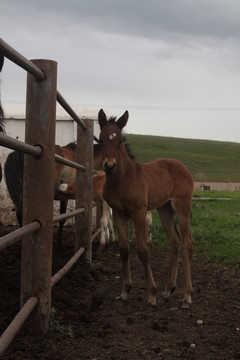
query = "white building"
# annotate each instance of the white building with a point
(66, 132)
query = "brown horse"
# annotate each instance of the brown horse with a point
(131, 189)
(2, 130)
(63, 174)
(105, 222)
(1, 109)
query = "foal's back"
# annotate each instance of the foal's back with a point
(162, 180)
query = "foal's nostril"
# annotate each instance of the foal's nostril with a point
(109, 168)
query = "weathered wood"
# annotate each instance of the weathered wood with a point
(67, 215)
(36, 266)
(58, 276)
(17, 323)
(10, 143)
(20, 60)
(84, 194)
(13, 237)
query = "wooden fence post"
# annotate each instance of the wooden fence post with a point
(83, 222)
(36, 268)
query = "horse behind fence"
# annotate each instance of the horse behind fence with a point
(63, 174)
(1, 111)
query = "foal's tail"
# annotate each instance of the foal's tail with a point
(13, 173)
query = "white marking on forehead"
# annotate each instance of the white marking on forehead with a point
(112, 136)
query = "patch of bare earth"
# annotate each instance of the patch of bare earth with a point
(91, 324)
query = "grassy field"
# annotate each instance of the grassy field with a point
(215, 227)
(209, 160)
(215, 222)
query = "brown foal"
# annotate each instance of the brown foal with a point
(131, 189)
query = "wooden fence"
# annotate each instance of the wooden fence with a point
(37, 231)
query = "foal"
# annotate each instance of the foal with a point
(131, 189)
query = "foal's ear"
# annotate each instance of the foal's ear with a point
(102, 119)
(123, 120)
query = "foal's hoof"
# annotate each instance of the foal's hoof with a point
(186, 305)
(163, 300)
(166, 295)
(124, 299)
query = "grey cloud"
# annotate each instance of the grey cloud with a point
(150, 19)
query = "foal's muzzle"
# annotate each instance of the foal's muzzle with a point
(109, 167)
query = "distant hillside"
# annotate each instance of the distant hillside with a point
(209, 160)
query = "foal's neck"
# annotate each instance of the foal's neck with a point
(125, 165)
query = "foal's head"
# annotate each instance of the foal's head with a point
(111, 139)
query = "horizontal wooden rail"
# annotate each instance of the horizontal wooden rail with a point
(33, 69)
(70, 163)
(67, 215)
(66, 267)
(17, 323)
(15, 236)
(20, 60)
(10, 143)
(97, 232)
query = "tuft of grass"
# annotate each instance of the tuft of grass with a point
(55, 325)
(96, 264)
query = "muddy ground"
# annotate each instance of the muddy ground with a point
(89, 323)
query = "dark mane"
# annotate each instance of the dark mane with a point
(112, 119)
(128, 148)
(71, 145)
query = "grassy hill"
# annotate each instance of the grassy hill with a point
(209, 160)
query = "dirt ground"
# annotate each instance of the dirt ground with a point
(89, 323)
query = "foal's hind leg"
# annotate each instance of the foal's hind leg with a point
(182, 208)
(169, 226)
(149, 228)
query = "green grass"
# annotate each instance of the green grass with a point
(216, 194)
(215, 228)
(55, 325)
(209, 160)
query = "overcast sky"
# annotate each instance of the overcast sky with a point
(173, 64)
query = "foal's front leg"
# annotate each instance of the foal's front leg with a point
(139, 221)
(122, 227)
